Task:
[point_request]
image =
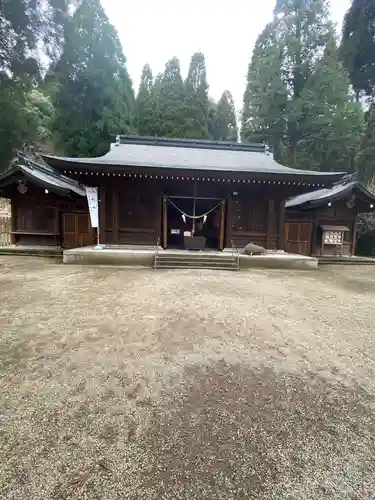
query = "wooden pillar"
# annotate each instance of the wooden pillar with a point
(13, 219)
(102, 215)
(165, 222)
(158, 216)
(314, 247)
(115, 221)
(222, 225)
(228, 225)
(354, 236)
(280, 239)
(270, 222)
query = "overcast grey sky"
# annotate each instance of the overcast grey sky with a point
(225, 31)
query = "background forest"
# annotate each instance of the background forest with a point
(309, 95)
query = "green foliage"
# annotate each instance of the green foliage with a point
(331, 122)
(196, 98)
(212, 119)
(147, 114)
(298, 95)
(94, 98)
(225, 128)
(39, 113)
(366, 157)
(266, 94)
(170, 97)
(358, 45)
(366, 226)
(24, 26)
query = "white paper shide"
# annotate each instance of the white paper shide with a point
(93, 202)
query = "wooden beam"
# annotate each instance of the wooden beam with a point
(222, 224)
(158, 216)
(270, 222)
(165, 222)
(314, 239)
(13, 219)
(280, 239)
(354, 237)
(228, 228)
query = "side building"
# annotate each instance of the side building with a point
(159, 190)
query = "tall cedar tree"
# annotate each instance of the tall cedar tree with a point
(95, 99)
(196, 98)
(358, 45)
(212, 119)
(226, 123)
(285, 56)
(147, 116)
(330, 120)
(25, 26)
(266, 94)
(170, 98)
(297, 96)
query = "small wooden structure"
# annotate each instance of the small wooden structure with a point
(155, 190)
(324, 222)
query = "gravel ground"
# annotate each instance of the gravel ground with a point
(148, 385)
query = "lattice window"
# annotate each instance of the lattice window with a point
(73, 206)
(136, 211)
(249, 217)
(36, 219)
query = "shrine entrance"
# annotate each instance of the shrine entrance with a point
(193, 223)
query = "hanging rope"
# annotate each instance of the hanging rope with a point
(196, 216)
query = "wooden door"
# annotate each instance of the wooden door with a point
(298, 236)
(77, 231)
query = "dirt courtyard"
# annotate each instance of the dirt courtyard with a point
(136, 384)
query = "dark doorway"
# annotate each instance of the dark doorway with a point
(177, 225)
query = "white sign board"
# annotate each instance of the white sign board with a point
(93, 201)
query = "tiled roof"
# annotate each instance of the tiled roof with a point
(44, 175)
(320, 196)
(187, 154)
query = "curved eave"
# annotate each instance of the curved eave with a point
(96, 165)
(61, 191)
(40, 179)
(357, 189)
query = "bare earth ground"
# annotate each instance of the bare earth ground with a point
(150, 385)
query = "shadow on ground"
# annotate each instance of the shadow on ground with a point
(240, 433)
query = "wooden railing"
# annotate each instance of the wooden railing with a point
(236, 251)
(156, 252)
(5, 232)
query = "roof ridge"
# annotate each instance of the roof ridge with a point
(192, 143)
(27, 162)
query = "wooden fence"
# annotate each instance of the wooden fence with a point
(5, 236)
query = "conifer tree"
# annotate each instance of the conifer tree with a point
(94, 98)
(226, 123)
(196, 98)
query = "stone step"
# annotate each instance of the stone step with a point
(172, 263)
(178, 258)
(199, 264)
(201, 268)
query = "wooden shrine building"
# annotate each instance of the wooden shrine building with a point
(165, 190)
(324, 222)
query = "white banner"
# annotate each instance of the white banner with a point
(92, 199)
